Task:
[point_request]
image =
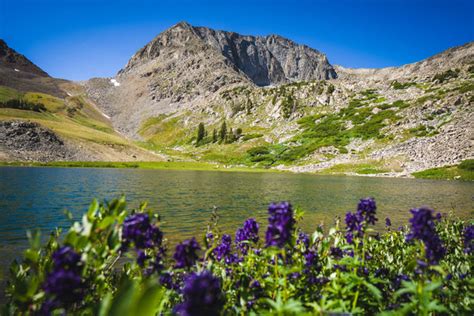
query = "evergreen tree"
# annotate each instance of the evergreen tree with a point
(223, 132)
(214, 136)
(230, 136)
(200, 133)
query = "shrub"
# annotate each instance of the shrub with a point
(399, 85)
(23, 105)
(448, 74)
(467, 164)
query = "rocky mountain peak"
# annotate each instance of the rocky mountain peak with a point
(10, 59)
(265, 60)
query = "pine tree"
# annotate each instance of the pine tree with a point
(214, 136)
(200, 133)
(223, 132)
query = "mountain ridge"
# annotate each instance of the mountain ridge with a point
(285, 106)
(263, 59)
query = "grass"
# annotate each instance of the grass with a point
(7, 94)
(463, 171)
(358, 168)
(159, 165)
(52, 104)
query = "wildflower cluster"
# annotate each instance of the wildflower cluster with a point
(423, 228)
(246, 235)
(186, 254)
(353, 270)
(202, 295)
(137, 230)
(356, 222)
(280, 224)
(64, 284)
(469, 239)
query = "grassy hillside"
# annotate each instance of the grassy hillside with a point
(463, 171)
(74, 119)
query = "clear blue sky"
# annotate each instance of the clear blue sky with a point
(80, 39)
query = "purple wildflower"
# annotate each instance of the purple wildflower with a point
(64, 281)
(185, 254)
(280, 224)
(349, 237)
(388, 222)
(141, 257)
(66, 258)
(336, 252)
(138, 230)
(66, 286)
(202, 295)
(367, 208)
(248, 233)
(399, 279)
(311, 258)
(166, 279)
(224, 248)
(303, 238)
(255, 284)
(469, 239)
(423, 228)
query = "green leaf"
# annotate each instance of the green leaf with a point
(93, 208)
(374, 290)
(107, 221)
(149, 302)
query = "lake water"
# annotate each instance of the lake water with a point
(37, 197)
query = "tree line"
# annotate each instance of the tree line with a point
(225, 135)
(21, 104)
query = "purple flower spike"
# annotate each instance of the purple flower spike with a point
(66, 286)
(469, 239)
(138, 230)
(423, 228)
(202, 296)
(224, 248)
(367, 208)
(280, 224)
(186, 253)
(246, 234)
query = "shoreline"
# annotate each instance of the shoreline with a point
(208, 166)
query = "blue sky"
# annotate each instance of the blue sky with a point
(80, 39)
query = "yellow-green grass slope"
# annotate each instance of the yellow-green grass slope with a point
(76, 120)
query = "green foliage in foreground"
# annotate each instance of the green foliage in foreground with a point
(463, 171)
(376, 274)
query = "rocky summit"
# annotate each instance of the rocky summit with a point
(198, 94)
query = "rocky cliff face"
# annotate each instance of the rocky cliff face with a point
(269, 60)
(265, 60)
(183, 66)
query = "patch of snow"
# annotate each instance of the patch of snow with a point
(69, 94)
(106, 116)
(16, 70)
(115, 82)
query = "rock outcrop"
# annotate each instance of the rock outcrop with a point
(27, 141)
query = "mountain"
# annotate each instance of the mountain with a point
(186, 64)
(9, 58)
(263, 101)
(48, 119)
(18, 72)
(265, 60)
